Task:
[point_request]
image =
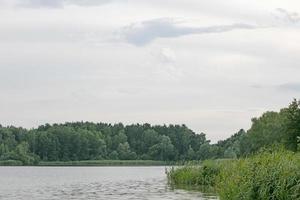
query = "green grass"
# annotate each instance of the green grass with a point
(104, 163)
(265, 176)
(10, 163)
(268, 175)
(195, 175)
(90, 163)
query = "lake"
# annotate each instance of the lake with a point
(38, 183)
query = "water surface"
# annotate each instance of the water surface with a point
(56, 183)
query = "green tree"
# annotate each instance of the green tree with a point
(265, 131)
(293, 125)
(230, 153)
(114, 155)
(120, 138)
(163, 150)
(204, 151)
(22, 153)
(125, 153)
(191, 155)
(4, 151)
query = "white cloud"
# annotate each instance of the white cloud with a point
(287, 16)
(167, 55)
(146, 31)
(167, 68)
(52, 3)
(294, 86)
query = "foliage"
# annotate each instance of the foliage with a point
(268, 175)
(10, 163)
(195, 175)
(293, 125)
(265, 176)
(104, 163)
(99, 141)
(271, 128)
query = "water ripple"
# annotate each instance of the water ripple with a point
(87, 183)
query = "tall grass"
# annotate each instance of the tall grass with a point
(195, 175)
(268, 175)
(104, 163)
(10, 163)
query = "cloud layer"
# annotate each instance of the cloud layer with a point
(290, 87)
(212, 65)
(54, 3)
(146, 31)
(287, 16)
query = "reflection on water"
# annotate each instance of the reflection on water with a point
(36, 183)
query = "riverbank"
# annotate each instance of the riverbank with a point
(91, 163)
(265, 175)
(106, 163)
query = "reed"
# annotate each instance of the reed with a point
(268, 175)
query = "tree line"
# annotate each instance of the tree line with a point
(99, 141)
(272, 128)
(102, 141)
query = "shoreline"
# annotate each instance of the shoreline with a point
(90, 163)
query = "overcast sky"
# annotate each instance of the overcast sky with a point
(212, 65)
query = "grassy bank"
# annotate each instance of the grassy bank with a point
(268, 175)
(90, 163)
(105, 163)
(10, 163)
(195, 175)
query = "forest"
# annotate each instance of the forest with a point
(79, 141)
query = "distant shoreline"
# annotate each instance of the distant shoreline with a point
(87, 163)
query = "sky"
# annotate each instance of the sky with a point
(212, 65)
